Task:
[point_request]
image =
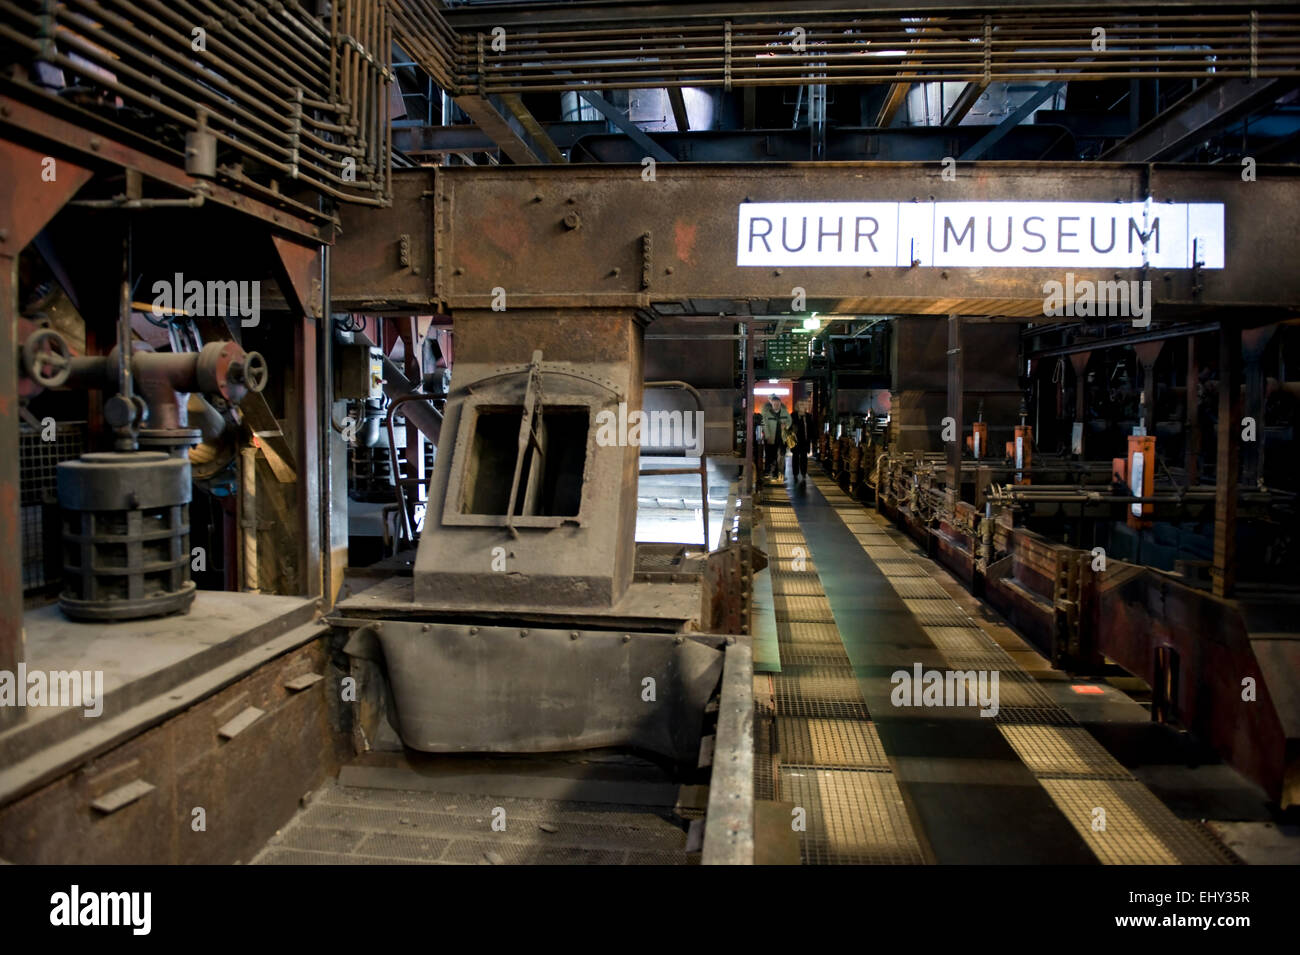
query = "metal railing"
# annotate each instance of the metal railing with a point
(295, 98)
(872, 48)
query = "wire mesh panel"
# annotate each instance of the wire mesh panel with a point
(38, 461)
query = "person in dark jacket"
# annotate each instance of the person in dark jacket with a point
(804, 431)
(776, 422)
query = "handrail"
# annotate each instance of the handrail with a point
(400, 480)
(703, 469)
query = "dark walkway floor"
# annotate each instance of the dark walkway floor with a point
(855, 605)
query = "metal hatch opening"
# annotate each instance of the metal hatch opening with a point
(550, 464)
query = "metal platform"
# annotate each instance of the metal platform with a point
(552, 811)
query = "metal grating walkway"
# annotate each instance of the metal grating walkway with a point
(821, 751)
(1111, 813)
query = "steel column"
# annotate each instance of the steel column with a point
(1254, 341)
(308, 415)
(955, 394)
(749, 407)
(1191, 417)
(1148, 353)
(1079, 362)
(27, 202)
(11, 566)
(1223, 571)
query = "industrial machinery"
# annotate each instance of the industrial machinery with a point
(126, 524)
(360, 499)
(531, 611)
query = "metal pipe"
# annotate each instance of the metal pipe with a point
(427, 418)
(399, 481)
(747, 407)
(325, 384)
(122, 202)
(138, 65)
(126, 436)
(248, 516)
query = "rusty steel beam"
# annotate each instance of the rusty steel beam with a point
(28, 200)
(604, 236)
(536, 134)
(895, 97)
(967, 98)
(1196, 116)
(421, 141)
(305, 414)
(678, 103)
(493, 117)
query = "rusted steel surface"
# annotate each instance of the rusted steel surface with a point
(461, 688)
(289, 751)
(575, 236)
(11, 566)
(579, 552)
(298, 268)
(370, 270)
(1195, 650)
(305, 414)
(1134, 612)
(27, 203)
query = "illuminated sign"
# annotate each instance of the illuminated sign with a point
(1121, 235)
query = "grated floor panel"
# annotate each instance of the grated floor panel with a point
(354, 826)
(1084, 781)
(825, 754)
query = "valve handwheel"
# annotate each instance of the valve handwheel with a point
(47, 358)
(255, 371)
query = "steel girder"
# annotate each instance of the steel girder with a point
(611, 236)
